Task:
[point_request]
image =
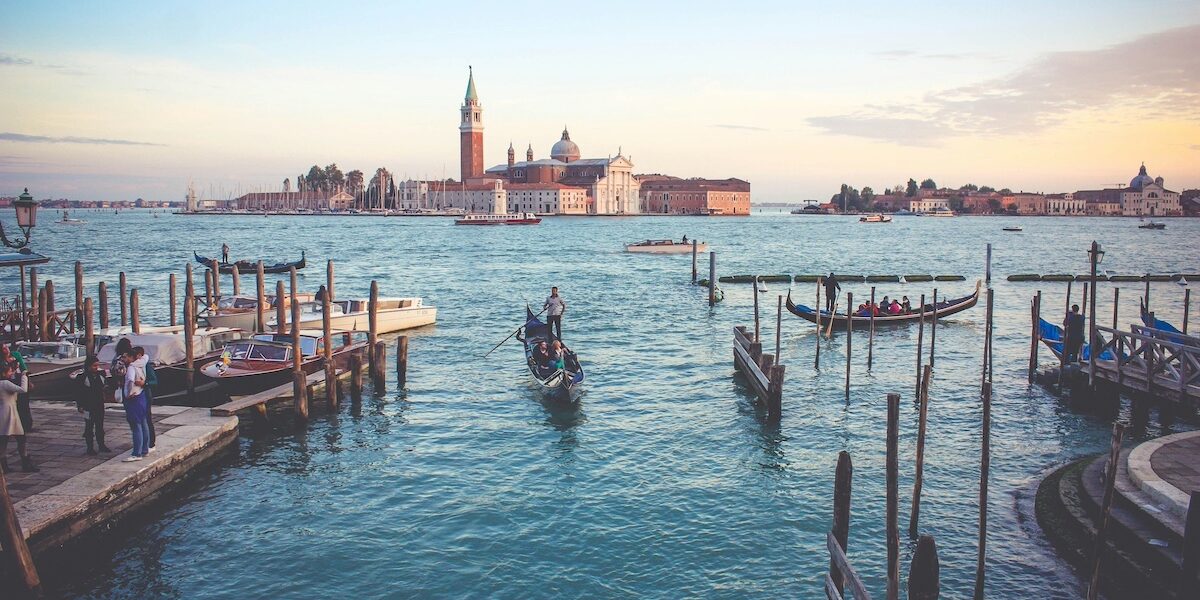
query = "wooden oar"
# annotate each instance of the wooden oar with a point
(829, 332)
(510, 335)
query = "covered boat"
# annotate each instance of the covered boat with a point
(393, 314)
(246, 267)
(664, 247)
(1052, 336)
(501, 219)
(265, 361)
(1153, 225)
(50, 367)
(943, 309)
(562, 383)
(1160, 329)
(168, 354)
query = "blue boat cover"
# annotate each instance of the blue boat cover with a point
(1052, 336)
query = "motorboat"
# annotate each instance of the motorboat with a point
(809, 208)
(875, 218)
(168, 355)
(393, 314)
(50, 366)
(265, 361)
(502, 219)
(66, 220)
(664, 247)
(940, 212)
(1013, 228)
(1153, 225)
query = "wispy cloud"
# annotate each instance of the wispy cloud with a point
(46, 139)
(15, 61)
(900, 54)
(10, 60)
(1157, 75)
(741, 127)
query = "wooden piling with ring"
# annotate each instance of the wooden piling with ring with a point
(171, 296)
(849, 340)
(918, 478)
(103, 295)
(124, 294)
(921, 342)
(135, 322)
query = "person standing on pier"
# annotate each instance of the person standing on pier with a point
(135, 404)
(10, 422)
(554, 307)
(13, 358)
(831, 291)
(1073, 326)
(224, 253)
(90, 404)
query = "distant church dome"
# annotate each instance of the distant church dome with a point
(1142, 179)
(564, 149)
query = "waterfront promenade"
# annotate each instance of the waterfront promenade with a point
(73, 492)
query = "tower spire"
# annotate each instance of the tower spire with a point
(471, 96)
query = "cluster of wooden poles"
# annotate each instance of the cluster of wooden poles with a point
(923, 580)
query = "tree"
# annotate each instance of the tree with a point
(928, 184)
(287, 184)
(868, 197)
(957, 204)
(897, 189)
(911, 190)
(987, 189)
(334, 180)
(316, 179)
(1006, 191)
(301, 184)
(970, 187)
(848, 198)
(994, 205)
(354, 181)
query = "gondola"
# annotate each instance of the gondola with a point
(561, 383)
(246, 267)
(945, 308)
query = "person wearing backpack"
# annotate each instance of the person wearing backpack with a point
(151, 388)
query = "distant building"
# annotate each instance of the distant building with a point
(290, 201)
(1024, 203)
(924, 205)
(889, 202)
(1065, 204)
(695, 196)
(1145, 196)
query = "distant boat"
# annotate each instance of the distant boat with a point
(940, 212)
(875, 218)
(664, 247)
(1013, 228)
(245, 266)
(505, 219)
(904, 212)
(66, 220)
(810, 208)
(1153, 225)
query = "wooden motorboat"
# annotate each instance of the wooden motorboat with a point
(50, 366)
(1153, 225)
(943, 309)
(561, 383)
(664, 247)
(168, 355)
(265, 361)
(393, 314)
(504, 219)
(246, 267)
(1012, 228)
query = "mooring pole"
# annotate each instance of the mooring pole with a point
(923, 577)
(871, 334)
(849, 338)
(280, 308)
(933, 328)
(754, 284)
(712, 278)
(1187, 308)
(103, 295)
(1092, 332)
(989, 264)
(89, 329)
(695, 251)
(171, 297)
(124, 296)
(892, 467)
(778, 326)
(920, 343)
(78, 294)
(135, 322)
(260, 308)
(20, 560)
(237, 280)
(401, 361)
(918, 479)
(841, 512)
(817, 360)
(189, 329)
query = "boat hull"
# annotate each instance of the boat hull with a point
(534, 221)
(52, 381)
(244, 381)
(944, 309)
(389, 320)
(246, 320)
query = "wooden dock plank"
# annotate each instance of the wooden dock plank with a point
(280, 391)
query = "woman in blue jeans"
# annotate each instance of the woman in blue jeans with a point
(136, 406)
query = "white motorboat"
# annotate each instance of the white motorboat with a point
(394, 314)
(664, 247)
(875, 218)
(50, 365)
(939, 212)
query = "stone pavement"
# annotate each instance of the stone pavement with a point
(58, 450)
(1168, 469)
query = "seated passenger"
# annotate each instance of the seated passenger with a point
(864, 310)
(906, 306)
(894, 309)
(540, 354)
(557, 356)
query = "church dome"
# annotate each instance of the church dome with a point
(564, 149)
(1142, 179)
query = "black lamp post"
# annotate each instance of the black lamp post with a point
(26, 208)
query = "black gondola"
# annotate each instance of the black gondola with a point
(945, 308)
(563, 383)
(246, 267)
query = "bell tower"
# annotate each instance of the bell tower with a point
(470, 132)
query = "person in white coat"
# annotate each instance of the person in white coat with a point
(10, 420)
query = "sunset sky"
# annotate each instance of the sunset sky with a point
(137, 99)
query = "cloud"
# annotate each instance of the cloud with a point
(45, 139)
(15, 61)
(9, 60)
(741, 127)
(904, 54)
(1156, 76)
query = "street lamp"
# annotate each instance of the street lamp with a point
(26, 208)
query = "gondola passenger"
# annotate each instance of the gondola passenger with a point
(906, 306)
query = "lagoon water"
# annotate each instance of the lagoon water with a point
(664, 482)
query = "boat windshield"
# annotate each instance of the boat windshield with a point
(308, 345)
(252, 351)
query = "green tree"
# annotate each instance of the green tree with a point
(957, 204)
(316, 179)
(354, 181)
(928, 184)
(987, 189)
(868, 197)
(334, 180)
(970, 187)
(911, 190)
(1005, 191)
(994, 205)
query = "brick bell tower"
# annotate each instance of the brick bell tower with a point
(470, 132)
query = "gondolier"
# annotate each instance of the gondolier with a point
(831, 291)
(1073, 325)
(224, 253)
(554, 308)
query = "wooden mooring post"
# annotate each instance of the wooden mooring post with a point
(817, 359)
(1146, 297)
(124, 294)
(171, 296)
(260, 306)
(918, 478)
(329, 280)
(135, 322)
(208, 287)
(923, 574)
(103, 296)
(985, 460)
(933, 329)
(712, 278)
(20, 560)
(921, 343)
(892, 468)
(89, 329)
(237, 281)
(1110, 481)
(401, 361)
(189, 329)
(871, 333)
(280, 308)
(841, 514)
(694, 253)
(1187, 308)
(760, 370)
(79, 294)
(849, 339)
(299, 379)
(1035, 313)
(376, 348)
(1189, 568)
(216, 280)
(40, 310)
(778, 325)
(327, 340)
(1116, 306)
(757, 337)
(356, 377)
(21, 305)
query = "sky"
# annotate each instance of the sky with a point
(116, 101)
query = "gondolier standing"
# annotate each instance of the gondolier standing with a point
(224, 253)
(1073, 327)
(554, 308)
(831, 291)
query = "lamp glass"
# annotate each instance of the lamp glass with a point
(26, 214)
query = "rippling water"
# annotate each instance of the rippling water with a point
(664, 481)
